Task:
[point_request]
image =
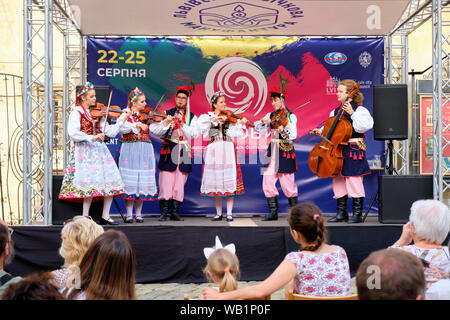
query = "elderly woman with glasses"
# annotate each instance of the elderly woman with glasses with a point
(428, 226)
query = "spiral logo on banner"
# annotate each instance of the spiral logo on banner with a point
(241, 80)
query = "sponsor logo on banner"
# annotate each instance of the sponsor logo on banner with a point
(365, 59)
(335, 58)
(237, 16)
(332, 84)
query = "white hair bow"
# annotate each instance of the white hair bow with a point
(230, 247)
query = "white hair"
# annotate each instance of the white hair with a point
(431, 220)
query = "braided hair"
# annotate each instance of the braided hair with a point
(307, 219)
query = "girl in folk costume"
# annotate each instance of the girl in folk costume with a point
(137, 159)
(350, 181)
(283, 163)
(175, 161)
(91, 173)
(222, 176)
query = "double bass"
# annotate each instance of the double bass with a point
(326, 159)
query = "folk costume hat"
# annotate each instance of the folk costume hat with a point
(187, 90)
(281, 91)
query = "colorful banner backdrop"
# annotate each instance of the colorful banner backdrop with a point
(426, 134)
(245, 69)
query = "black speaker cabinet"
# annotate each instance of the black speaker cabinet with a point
(390, 112)
(64, 210)
(397, 194)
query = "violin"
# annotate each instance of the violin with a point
(280, 118)
(147, 114)
(99, 109)
(233, 118)
(325, 159)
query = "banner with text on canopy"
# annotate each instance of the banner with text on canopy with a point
(245, 69)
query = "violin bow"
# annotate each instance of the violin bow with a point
(157, 105)
(304, 104)
(107, 111)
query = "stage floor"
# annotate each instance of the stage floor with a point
(240, 221)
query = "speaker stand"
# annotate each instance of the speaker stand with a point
(374, 198)
(390, 155)
(118, 208)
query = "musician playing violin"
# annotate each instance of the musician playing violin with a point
(281, 161)
(137, 159)
(349, 183)
(91, 173)
(175, 160)
(222, 175)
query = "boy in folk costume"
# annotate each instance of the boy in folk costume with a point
(91, 173)
(175, 161)
(283, 163)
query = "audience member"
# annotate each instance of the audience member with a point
(107, 270)
(428, 226)
(390, 274)
(77, 235)
(318, 269)
(6, 256)
(38, 286)
(222, 267)
(440, 290)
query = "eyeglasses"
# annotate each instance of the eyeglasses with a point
(71, 220)
(182, 98)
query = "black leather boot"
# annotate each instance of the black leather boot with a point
(293, 201)
(175, 206)
(163, 209)
(357, 210)
(342, 214)
(273, 209)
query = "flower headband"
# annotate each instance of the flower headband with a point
(88, 86)
(136, 93)
(216, 96)
(230, 247)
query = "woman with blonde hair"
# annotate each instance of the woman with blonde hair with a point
(222, 267)
(76, 235)
(107, 270)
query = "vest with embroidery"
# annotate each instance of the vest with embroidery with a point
(286, 160)
(91, 127)
(133, 137)
(355, 161)
(349, 118)
(168, 148)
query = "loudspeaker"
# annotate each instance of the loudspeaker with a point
(390, 112)
(64, 210)
(396, 194)
(101, 93)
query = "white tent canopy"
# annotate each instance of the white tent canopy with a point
(246, 18)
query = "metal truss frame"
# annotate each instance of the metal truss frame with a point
(441, 98)
(40, 16)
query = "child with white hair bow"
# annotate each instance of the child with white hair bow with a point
(222, 267)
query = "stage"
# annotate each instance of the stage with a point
(172, 251)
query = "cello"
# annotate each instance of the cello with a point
(325, 159)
